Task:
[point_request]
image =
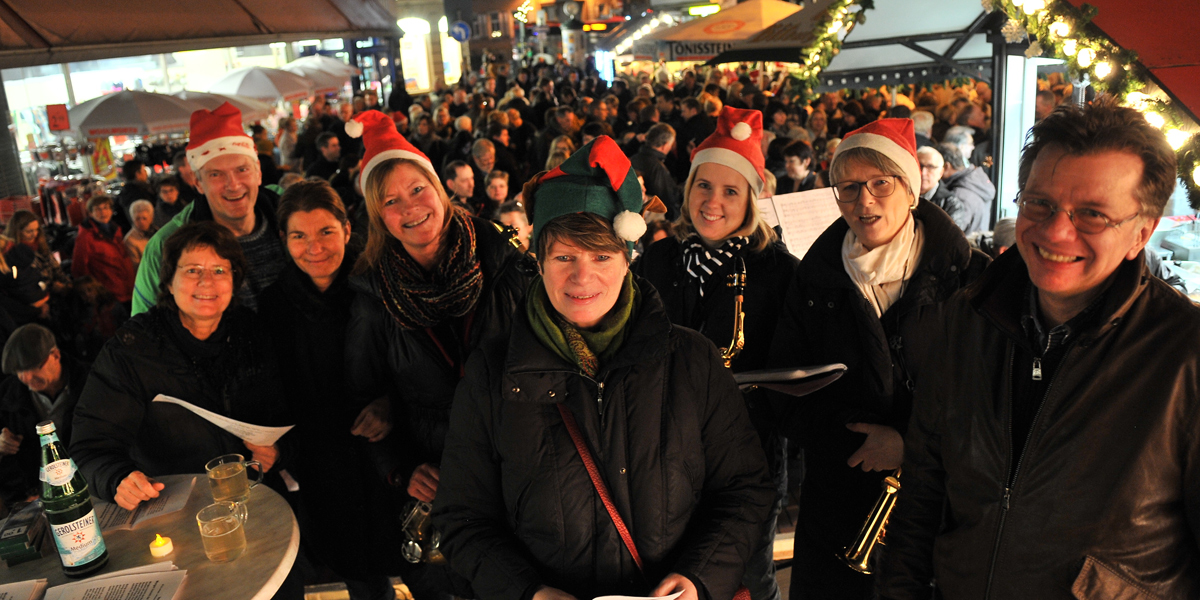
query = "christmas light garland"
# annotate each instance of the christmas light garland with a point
(827, 39)
(1058, 29)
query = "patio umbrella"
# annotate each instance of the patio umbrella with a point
(130, 113)
(262, 83)
(323, 63)
(323, 81)
(252, 110)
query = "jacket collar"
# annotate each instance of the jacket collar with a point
(1000, 294)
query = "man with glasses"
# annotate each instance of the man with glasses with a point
(932, 190)
(1053, 449)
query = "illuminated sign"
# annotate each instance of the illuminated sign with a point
(704, 10)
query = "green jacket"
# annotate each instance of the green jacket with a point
(145, 288)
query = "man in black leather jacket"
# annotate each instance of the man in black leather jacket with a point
(1052, 451)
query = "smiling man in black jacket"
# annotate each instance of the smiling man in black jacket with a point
(1052, 451)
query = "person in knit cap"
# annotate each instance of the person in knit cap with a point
(592, 365)
(225, 162)
(720, 235)
(854, 300)
(432, 283)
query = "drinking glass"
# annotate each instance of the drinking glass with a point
(227, 477)
(223, 531)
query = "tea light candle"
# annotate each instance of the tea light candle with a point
(161, 546)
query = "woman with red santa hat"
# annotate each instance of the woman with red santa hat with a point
(721, 236)
(856, 299)
(432, 283)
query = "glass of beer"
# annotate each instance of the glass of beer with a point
(223, 530)
(228, 480)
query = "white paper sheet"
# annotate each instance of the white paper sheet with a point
(766, 208)
(161, 583)
(170, 499)
(258, 435)
(23, 590)
(670, 597)
(804, 216)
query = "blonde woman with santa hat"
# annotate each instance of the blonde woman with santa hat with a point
(432, 283)
(597, 449)
(856, 299)
(721, 235)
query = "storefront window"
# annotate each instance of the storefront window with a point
(414, 53)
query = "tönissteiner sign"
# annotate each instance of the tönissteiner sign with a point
(691, 50)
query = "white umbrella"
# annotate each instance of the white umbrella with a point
(130, 113)
(262, 83)
(252, 110)
(324, 82)
(324, 63)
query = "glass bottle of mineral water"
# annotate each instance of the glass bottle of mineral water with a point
(68, 508)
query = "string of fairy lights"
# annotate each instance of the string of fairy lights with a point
(1058, 29)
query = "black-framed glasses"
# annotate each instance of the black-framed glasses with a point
(847, 192)
(1087, 220)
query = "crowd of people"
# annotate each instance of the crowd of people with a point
(521, 306)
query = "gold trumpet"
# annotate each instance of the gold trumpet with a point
(858, 555)
(737, 281)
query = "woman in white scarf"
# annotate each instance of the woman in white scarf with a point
(857, 296)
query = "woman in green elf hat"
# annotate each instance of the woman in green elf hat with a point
(597, 449)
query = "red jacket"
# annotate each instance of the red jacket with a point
(104, 258)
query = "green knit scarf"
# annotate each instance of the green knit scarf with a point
(586, 349)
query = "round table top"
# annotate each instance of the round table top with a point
(272, 540)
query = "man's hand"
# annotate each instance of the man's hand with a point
(423, 484)
(549, 593)
(882, 451)
(375, 420)
(9, 441)
(677, 583)
(136, 488)
(265, 455)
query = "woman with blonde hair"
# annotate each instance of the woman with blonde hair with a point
(432, 283)
(720, 237)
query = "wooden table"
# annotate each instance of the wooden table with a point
(272, 540)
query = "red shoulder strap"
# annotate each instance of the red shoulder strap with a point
(594, 473)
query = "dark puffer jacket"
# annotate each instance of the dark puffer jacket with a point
(1105, 501)
(669, 431)
(118, 429)
(828, 320)
(408, 366)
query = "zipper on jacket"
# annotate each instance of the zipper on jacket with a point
(600, 397)
(1012, 484)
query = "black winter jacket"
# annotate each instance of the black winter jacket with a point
(827, 319)
(1105, 501)
(118, 429)
(669, 432)
(410, 369)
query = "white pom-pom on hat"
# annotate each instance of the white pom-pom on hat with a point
(629, 226)
(741, 131)
(354, 128)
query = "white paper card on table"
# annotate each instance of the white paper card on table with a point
(23, 590)
(804, 216)
(171, 498)
(259, 435)
(139, 586)
(669, 597)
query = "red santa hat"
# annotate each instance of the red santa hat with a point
(737, 144)
(382, 141)
(217, 132)
(892, 138)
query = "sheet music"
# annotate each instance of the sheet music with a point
(258, 435)
(670, 597)
(170, 499)
(766, 208)
(23, 590)
(804, 216)
(162, 585)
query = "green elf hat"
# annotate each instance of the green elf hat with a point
(597, 179)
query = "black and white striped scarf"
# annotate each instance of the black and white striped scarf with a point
(700, 262)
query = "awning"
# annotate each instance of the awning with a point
(58, 31)
(1162, 33)
(704, 38)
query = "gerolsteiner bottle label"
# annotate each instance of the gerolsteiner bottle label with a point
(79, 542)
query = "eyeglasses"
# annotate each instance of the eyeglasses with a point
(847, 192)
(196, 273)
(1087, 220)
